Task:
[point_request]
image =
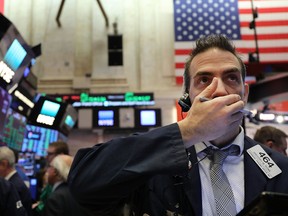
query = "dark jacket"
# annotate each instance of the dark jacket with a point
(152, 169)
(10, 203)
(23, 192)
(62, 203)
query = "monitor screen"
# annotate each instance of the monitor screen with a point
(68, 120)
(5, 101)
(26, 161)
(148, 118)
(47, 112)
(37, 139)
(15, 56)
(14, 130)
(106, 118)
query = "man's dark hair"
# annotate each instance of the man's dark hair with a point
(60, 147)
(206, 42)
(269, 133)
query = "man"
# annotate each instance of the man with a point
(272, 137)
(10, 202)
(54, 149)
(168, 168)
(8, 171)
(61, 202)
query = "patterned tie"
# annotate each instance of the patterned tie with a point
(223, 194)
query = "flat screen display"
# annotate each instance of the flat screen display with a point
(106, 118)
(37, 139)
(14, 130)
(26, 161)
(148, 118)
(68, 120)
(5, 100)
(15, 56)
(47, 112)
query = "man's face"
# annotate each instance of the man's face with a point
(51, 175)
(51, 153)
(221, 64)
(3, 168)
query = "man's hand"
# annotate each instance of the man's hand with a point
(209, 120)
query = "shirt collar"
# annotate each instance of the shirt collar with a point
(239, 141)
(56, 185)
(10, 175)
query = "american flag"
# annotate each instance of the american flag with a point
(193, 18)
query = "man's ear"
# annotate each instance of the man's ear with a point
(246, 93)
(269, 143)
(5, 163)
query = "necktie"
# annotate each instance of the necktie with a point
(223, 194)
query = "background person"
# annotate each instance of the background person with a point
(61, 202)
(10, 202)
(54, 149)
(272, 137)
(8, 171)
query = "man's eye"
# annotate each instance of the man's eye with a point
(233, 78)
(204, 79)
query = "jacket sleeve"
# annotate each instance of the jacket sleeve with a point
(104, 175)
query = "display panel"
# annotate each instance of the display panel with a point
(47, 112)
(37, 139)
(15, 55)
(148, 118)
(14, 130)
(5, 100)
(106, 118)
(26, 161)
(68, 120)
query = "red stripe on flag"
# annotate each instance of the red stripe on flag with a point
(179, 80)
(264, 50)
(182, 52)
(266, 23)
(179, 65)
(265, 36)
(264, 10)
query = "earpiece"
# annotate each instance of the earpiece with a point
(185, 102)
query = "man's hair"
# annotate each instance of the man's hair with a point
(203, 44)
(269, 133)
(62, 163)
(60, 147)
(7, 154)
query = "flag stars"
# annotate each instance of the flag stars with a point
(205, 17)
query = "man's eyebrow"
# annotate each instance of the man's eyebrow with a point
(203, 73)
(232, 70)
(206, 73)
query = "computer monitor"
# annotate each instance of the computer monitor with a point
(5, 101)
(14, 130)
(106, 118)
(37, 139)
(148, 118)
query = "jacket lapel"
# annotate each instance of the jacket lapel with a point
(192, 184)
(255, 180)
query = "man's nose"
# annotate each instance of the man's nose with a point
(220, 90)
